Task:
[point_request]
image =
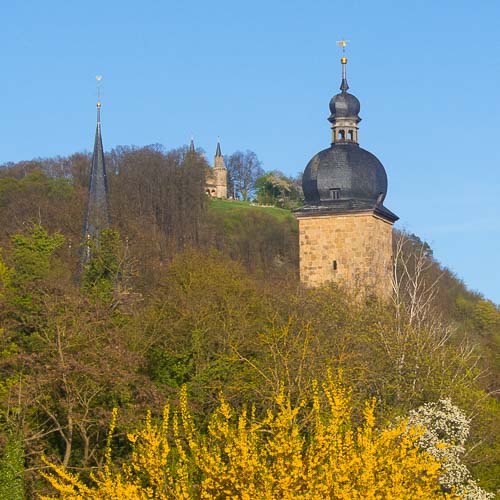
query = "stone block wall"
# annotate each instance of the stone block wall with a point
(354, 250)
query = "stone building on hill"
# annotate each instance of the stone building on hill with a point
(216, 179)
(345, 231)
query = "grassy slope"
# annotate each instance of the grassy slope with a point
(223, 206)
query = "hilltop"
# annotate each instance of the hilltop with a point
(236, 207)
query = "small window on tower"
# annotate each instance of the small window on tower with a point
(334, 265)
(342, 134)
(335, 194)
(350, 135)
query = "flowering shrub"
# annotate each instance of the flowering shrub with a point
(242, 457)
(446, 430)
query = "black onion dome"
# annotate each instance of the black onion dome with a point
(344, 171)
(345, 178)
(344, 105)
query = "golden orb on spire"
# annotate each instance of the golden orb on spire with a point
(98, 79)
(343, 44)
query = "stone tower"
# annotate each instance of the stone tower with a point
(97, 216)
(220, 174)
(345, 231)
(216, 178)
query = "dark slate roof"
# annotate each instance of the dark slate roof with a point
(97, 217)
(218, 152)
(345, 166)
(346, 207)
(345, 178)
(344, 105)
(344, 86)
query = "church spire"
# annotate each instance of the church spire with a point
(97, 216)
(220, 173)
(191, 146)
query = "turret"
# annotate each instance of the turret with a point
(220, 174)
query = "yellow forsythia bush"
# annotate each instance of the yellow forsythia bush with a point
(241, 457)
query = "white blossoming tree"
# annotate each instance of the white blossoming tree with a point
(446, 430)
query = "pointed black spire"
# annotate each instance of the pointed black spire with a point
(218, 152)
(97, 217)
(191, 146)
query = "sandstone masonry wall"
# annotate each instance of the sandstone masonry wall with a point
(354, 250)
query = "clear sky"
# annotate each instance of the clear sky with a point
(260, 74)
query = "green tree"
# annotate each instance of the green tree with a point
(275, 188)
(101, 274)
(12, 468)
(35, 271)
(32, 255)
(487, 317)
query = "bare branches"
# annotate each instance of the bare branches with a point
(414, 290)
(423, 346)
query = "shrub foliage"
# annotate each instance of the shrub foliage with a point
(244, 457)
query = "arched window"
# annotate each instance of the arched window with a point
(342, 134)
(350, 135)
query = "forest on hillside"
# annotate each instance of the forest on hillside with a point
(201, 309)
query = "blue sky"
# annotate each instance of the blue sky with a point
(260, 75)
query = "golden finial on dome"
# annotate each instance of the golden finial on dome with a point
(343, 44)
(343, 60)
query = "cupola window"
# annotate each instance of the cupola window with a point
(335, 193)
(350, 135)
(341, 135)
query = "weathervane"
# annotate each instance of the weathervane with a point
(98, 79)
(344, 86)
(343, 44)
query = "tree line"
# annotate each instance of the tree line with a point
(180, 295)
